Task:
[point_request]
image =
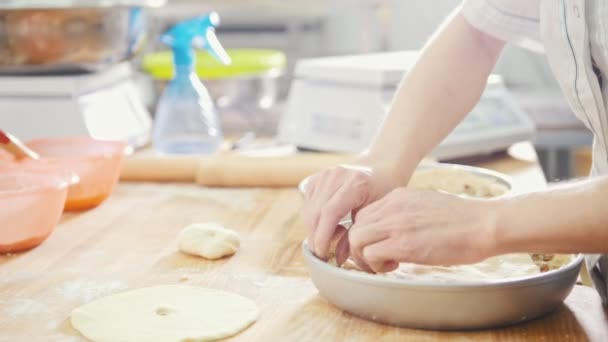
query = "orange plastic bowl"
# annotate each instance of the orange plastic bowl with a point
(30, 207)
(42, 167)
(97, 163)
(6, 156)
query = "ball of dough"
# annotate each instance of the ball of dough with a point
(208, 240)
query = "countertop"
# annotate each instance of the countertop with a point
(129, 242)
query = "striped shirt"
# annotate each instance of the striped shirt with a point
(574, 36)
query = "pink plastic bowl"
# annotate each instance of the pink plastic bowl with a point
(30, 207)
(42, 167)
(97, 163)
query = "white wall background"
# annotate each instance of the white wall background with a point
(414, 22)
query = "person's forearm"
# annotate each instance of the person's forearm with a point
(568, 218)
(435, 95)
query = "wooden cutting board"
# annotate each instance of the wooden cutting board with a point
(129, 242)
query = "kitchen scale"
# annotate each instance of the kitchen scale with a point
(337, 103)
(104, 105)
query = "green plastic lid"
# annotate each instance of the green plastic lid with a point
(245, 62)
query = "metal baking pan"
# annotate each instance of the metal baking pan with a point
(440, 305)
(480, 172)
(453, 305)
(477, 171)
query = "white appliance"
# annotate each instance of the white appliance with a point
(104, 105)
(337, 103)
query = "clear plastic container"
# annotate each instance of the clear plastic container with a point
(62, 40)
(21, 4)
(244, 92)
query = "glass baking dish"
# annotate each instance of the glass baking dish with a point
(69, 36)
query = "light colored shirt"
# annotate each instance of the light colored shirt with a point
(574, 36)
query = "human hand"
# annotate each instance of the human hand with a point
(334, 193)
(423, 227)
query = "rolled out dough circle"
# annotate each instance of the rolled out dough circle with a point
(165, 313)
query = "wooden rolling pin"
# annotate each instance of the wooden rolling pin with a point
(231, 170)
(152, 168)
(285, 171)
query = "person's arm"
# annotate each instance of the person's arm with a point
(568, 218)
(435, 95)
(426, 227)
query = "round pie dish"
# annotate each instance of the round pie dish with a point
(439, 305)
(488, 176)
(456, 304)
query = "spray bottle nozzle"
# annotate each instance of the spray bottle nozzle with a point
(196, 32)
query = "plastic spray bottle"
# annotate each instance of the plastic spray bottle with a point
(186, 120)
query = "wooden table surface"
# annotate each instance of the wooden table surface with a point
(129, 242)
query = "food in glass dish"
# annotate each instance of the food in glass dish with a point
(74, 39)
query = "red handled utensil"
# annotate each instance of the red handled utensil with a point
(14, 146)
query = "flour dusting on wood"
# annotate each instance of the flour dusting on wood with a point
(88, 290)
